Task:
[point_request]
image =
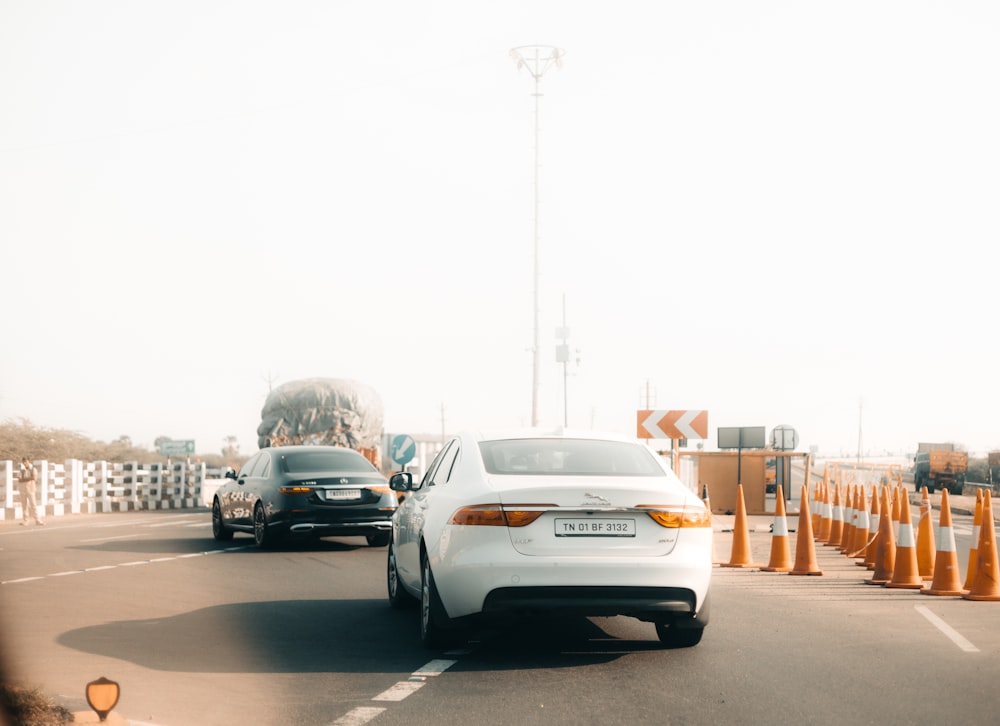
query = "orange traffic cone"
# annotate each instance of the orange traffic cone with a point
(781, 553)
(740, 555)
(925, 537)
(850, 519)
(805, 547)
(977, 521)
(897, 508)
(986, 586)
(873, 525)
(885, 548)
(836, 520)
(817, 499)
(946, 576)
(905, 573)
(860, 542)
(825, 515)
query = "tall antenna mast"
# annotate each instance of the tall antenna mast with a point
(537, 59)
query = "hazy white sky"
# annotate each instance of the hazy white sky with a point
(778, 212)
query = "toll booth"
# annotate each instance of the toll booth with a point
(759, 471)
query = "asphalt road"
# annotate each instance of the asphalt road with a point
(202, 634)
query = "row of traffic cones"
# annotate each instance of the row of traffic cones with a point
(781, 558)
(882, 539)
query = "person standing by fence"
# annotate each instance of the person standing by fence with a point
(28, 482)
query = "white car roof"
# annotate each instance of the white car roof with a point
(540, 433)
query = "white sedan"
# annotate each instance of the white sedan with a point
(542, 523)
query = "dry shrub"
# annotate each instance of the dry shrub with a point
(29, 707)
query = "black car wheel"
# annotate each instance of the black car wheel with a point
(261, 535)
(672, 635)
(219, 530)
(398, 596)
(432, 616)
(379, 540)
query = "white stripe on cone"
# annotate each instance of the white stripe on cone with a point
(946, 542)
(780, 527)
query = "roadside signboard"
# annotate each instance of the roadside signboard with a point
(672, 424)
(742, 437)
(402, 449)
(176, 447)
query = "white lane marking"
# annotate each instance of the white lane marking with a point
(111, 539)
(358, 716)
(182, 523)
(953, 635)
(108, 525)
(134, 563)
(435, 667)
(89, 524)
(400, 691)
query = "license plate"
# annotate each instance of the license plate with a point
(339, 494)
(595, 527)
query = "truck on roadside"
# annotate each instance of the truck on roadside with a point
(939, 466)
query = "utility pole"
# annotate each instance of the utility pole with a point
(563, 356)
(537, 59)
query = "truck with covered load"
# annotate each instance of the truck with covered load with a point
(328, 411)
(939, 466)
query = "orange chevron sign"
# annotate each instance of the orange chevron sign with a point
(672, 424)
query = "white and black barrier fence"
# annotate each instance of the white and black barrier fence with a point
(79, 487)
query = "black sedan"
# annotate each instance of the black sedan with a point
(305, 491)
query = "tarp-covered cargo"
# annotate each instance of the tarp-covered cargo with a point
(331, 411)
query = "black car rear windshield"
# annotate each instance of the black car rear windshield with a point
(576, 457)
(314, 461)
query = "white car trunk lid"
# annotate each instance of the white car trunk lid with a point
(587, 516)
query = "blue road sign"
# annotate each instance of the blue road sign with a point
(402, 449)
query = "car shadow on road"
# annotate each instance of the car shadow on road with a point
(341, 636)
(548, 642)
(280, 636)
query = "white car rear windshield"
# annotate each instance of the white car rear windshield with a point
(576, 457)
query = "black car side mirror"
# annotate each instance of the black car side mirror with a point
(230, 473)
(401, 481)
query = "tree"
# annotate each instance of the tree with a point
(231, 447)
